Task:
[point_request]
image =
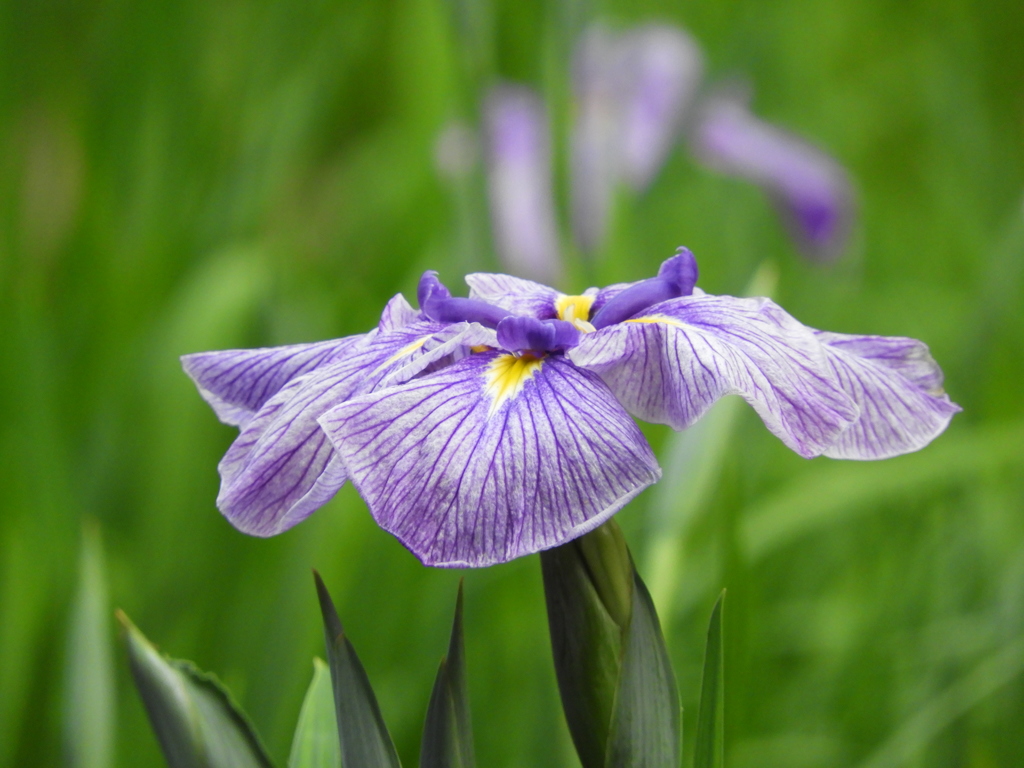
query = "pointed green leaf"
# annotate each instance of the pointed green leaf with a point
(645, 728)
(315, 744)
(586, 644)
(365, 741)
(709, 750)
(196, 721)
(447, 732)
(89, 678)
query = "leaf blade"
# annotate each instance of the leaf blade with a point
(315, 744)
(362, 734)
(196, 721)
(709, 750)
(447, 731)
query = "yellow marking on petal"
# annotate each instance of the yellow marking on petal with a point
(507, 375)
(408, 349)
(479, 348)
(575, 310)
(652, 319)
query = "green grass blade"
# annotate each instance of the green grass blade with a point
(316, 736)
(709, 750)
(196, 721)
(448, 732)
(364, 738)
(89, 692)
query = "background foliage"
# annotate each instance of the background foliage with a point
(179, 175)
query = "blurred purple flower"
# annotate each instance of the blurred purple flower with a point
(518, 152)
(485, 428)
(812, 190)
(631, 92)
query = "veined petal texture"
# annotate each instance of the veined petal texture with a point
(237, 382)
(492, 458)
(518, 296)
(670, 364)
(898, 386)
(281, 468)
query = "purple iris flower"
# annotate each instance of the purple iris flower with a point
(812, 190)
(485, 428)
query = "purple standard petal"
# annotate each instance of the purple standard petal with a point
(662, 68)
(898, 387)
(493, 458)
(237, 382)
(812, 189)
(519, 182)
(281, 468)
(518, 296)
(673, 362)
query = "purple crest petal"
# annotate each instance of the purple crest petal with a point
(237, 382)
(281, 468)
(676, 278)
(519, 182)
(398, 313)
(518, 296)
(812, 189)
(462, 479)
(672, 364)
(897, 385)
(528, 334)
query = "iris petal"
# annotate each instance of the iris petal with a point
(281, 467)
(897, 385)
(518, 296)
(468, 467)
(671, 364)
(237, 382)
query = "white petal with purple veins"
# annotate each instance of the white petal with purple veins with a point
(281, 468)
(518, 296)
(397, 313)
(237, 382)
(670, 364)
(898, 386)
(492, 458)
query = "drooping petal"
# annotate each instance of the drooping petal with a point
(662, 68)
(673, 362)
(281, 468)
(812, 189)
(898, 386)
(493, 458)
(237, 382)
(519, 181)
(518, 296)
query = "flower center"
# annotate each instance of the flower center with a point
(506, 376)
(575, 310)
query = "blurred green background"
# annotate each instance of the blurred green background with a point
(178, 176)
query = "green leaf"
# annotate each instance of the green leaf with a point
(316, 736)
(709, 751)
(448, 732)
(196, 721)
(365, 741)
(646, 728)
(89, 719)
